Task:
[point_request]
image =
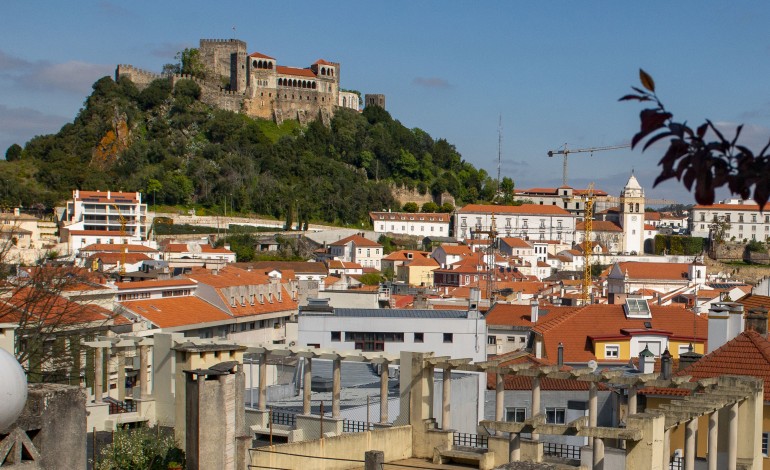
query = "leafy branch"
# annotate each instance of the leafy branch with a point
(694, 160)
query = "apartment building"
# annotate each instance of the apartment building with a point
(104, 217)
(740, 219)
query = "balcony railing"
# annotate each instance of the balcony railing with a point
(470, 440)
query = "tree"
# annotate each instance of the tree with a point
(191, 62)
(13, 153)
(370, 279)
(153, 186)
(696, 161)
(430, 206)
(411, 207)
(447, 207)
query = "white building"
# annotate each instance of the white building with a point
(350, 100)
(527, 221)
(406, 223)
(104, 217)
(358, 249)
(632, 216)
(740, 219)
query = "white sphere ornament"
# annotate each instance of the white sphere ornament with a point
(13, 389)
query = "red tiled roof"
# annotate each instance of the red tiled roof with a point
(155, 284)
(514, 242)
(746, 354)
(339, 264)
(600, 226)
(114, 258)
(283, 70)
(402, 255)
(660, 271)
(210, 249)
(650, 227)
(260, 55)
(522, 209)
(520, 315)
(304, 267)
(102, 196)
(322, 62)
(422, 262)
(176, 311)
(458, 250)
(652, 216)
(754, 301)
(357, 240)
(36, 305)
(97, 233)
(576, 328)
(733, 207)
(411, 216)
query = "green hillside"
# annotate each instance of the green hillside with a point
(179, 151)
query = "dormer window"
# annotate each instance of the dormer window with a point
(637, 308)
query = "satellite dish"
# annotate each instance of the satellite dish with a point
(13, 389)
(592, 365)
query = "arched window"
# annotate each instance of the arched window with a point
(314, 85)
(630, 207)
(270, 65)
(280, 81)
(637, 207)
(323, 71)
(295, 83)
(331, 72)
(254, 64)
(344, 102)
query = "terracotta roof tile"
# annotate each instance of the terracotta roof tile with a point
(522, 209)
(283, 70)
(155, 284)
(520, 315)
(176, 311)
(357, 240)
(118, 247)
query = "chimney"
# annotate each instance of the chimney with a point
(16, 211)
(665, 365)
(689, 358)
(725, 323)
(108, 194)
(646, 361)
(757, 320)
(560, 355)
(535, 310)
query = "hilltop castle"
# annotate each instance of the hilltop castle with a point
(258, 87)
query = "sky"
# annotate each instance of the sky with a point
(551, 71)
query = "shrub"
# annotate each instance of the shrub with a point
(141, 448)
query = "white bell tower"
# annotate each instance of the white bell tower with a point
(632, 216)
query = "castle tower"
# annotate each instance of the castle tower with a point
(632, 216)
(225, 58)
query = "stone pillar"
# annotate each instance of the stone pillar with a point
(499, 397)
(307, 383)
(144, 376)
(384, 394)
(593, 406)
(732, 439)
(374, 460)
(689, 444)
(598, 454)
(262, 403)
(121, 358)
(430, 370)
(446, 397)
(336, 388)
(98, 373)
(535, 401)
(632, 406)
(647, 454)
(666, 449)
(713, 440)
(514, 447)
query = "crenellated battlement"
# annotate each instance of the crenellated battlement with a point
(223, 41)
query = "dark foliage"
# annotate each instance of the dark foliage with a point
(694, 159)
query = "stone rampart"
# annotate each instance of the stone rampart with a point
(140, 77)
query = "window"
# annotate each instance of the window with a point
(765, 436)
(555, 415)
(515, 415)
(366, 341)
(420, 337)
(336, 336)
(491, 339)
(511, 339)
(448, 337)
(611, 351)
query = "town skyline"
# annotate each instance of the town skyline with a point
(553, 73)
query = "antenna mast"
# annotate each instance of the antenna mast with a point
(499, 149)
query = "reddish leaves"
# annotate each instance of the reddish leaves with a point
(701, 165)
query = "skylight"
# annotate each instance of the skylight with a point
(637, 308)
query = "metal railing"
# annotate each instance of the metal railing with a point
(470, 440)
(125, 406)
(677, 463)
(349, 425)
(565, 451)
(282, 417)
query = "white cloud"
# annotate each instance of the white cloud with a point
(72, 76)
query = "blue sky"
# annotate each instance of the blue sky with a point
(552, 70)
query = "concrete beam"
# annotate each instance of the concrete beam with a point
(506, 426)
(628, 434)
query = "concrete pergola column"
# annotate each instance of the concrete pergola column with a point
(535, 401)
(593, 406)
(732, 438)
(144, 366)
(98, 373)
(666, 448)
(514, 447)
(689, 444)
(384, 393)
(499, 397)
(430, 370)
(713, 440)
(307, 383)
(632, 402)
(598, 454)
(121, 358)
(262, 403)
(336, 382)
(446, 397)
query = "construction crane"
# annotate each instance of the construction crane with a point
(588, 229)
(122, 219)
(566, 151)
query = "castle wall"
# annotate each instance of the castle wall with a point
(140, 77)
